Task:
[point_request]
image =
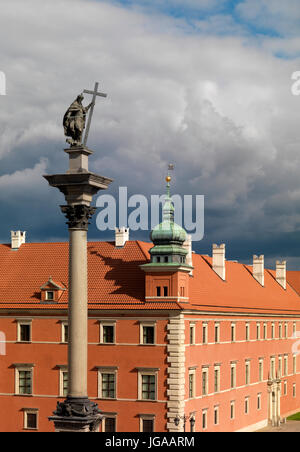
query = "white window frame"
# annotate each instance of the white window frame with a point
(265, 331)
(285, 365)
(64, 323)
(143, 324)
(247, 405)
(247, 372)
(62, 369)
(259, 401)
(112, 370)
(217, 368)
(204, 416)
(110, 415)
(204, 371)
(258, 333)
(280, 330)
(23, 368)
(294, 390)
(216, 410)
(294, 364)
(204, 333)
(280, 366)
(233, 332)
(232, 409)
(260, 369)
(147, 417)
(102, 324)
(151, 372)
(21, 322)
(25, 420)
(233, 366)
(192, 333)
(272, 367)
(247, 331)
(192, 371)
(217, 333)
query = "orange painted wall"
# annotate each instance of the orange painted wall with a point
(47, 356)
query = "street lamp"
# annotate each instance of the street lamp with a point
(185, 418)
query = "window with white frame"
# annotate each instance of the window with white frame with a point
(247, 372)
(294, 389)
(280, 330)
(232, 409)
(280, 366)
(258, 331)
(294, 328)
(204, 419)
(147, 383)
(217, 332)
(259, 401)
(272, 367)
(24, 379)
(24, 330)
(192, 382)
(247, 331)
(204, 333)
(192, 333)
(285, 365)
(233, 332)
(64, 332)
(285, 330)
(273, 331)
(294, 364)
(63, 380)
(107, 382)
(217, 370)
(261, 369)
(232, 375)
(147, 333)
(30, 418)
(265, 331)
(109, 422)
(147, 423)
(285, 387)
(204, 381)
(107, 332)
(216, 415)
(246, 405)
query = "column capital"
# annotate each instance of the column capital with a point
(78, 215)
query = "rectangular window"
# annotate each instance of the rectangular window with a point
(232, 332)
(108, 385)
(261, 370)
(258, 331)
(294, 364)
(294, 390)
(108, 334)
(147, 425)
(258, 401)
(280, 366)
(285, 330)
(166, 290)
(285, 388)
(246, 405)
(294, 329)
(285, 366)
(216, 415)
(247, 373)
(25, 382)
(158, 291)
(110, 424)
(217, 333)
(247, 332)
(25, 332)
(148, 334)
(192, 334)
(204, 381)
(49, 295)
(217, 379)
(265, 331)
(232, 410)
(191, 385)
(204, 419)
(204, 333)
(65, 380)
(272, 331)
(272, 368)
(233, 376)
(148, 387)
(280, 330)
(65, 332)
(30, 419)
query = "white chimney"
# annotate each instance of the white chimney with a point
(188, 246)
(218, 260)
(17, 239)
(281, 273)
(259, 268)
(121, 236)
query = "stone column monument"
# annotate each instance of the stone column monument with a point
(78, 184)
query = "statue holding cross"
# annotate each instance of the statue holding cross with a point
(75, 118)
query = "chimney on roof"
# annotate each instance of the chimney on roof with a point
(121, 236)
(218, 260)
(281, 273)
(258, 269)
(188, 246)
(17, 239)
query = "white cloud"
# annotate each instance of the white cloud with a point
(221, 109)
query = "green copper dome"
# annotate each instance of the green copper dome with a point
(168, 237)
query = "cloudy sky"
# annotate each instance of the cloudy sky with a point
(203, 84)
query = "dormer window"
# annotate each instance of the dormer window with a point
(49, 295)
(52, 291)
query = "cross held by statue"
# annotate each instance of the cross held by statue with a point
(94, 93)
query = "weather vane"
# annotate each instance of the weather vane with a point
(75, 117)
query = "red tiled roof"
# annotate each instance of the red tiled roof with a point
(115, 279)
(117, 282)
